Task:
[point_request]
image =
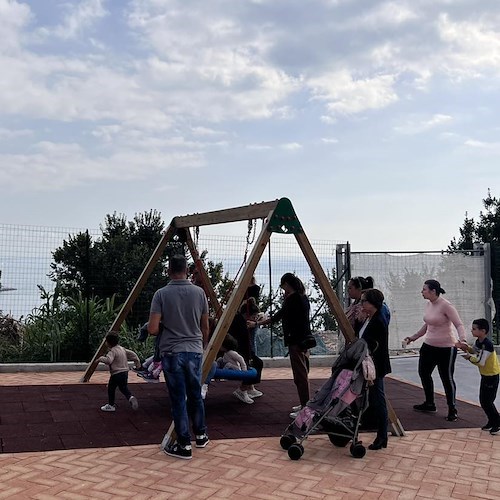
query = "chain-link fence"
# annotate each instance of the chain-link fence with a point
(26, 255)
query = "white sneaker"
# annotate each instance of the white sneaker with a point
(204, 390)
(296, 408)
(133, 402)
(254, 393)
(243, 396)
(108, 407)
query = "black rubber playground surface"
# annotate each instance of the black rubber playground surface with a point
(56, 417)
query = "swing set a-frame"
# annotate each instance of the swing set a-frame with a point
(279, 217)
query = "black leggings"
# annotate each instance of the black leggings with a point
(118, 380)
(444, 358)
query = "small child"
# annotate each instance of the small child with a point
(483, 355)
(117, 359)
(230, 360)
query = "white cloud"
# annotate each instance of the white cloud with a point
(418, 127)
(291, 146)
(6, 133)
(347, 95)
(55, 166)
(385, 14)
(329, 140)
(77, 19)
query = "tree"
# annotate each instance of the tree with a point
(486, 230)
(110, 265)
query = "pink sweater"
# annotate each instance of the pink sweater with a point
(438, 318)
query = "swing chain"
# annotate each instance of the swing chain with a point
(196, 235)
(252, 226)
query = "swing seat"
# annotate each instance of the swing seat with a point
(243, 375)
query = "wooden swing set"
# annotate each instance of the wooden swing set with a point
(279, 217)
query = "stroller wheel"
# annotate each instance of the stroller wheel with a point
(287, 440)
(339, 441)
(358, 450)
(295, 451)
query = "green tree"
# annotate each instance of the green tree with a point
(110, 265)
(485, 230)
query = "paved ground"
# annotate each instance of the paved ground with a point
(455, 462)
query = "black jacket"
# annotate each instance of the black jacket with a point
(376, 335)
(294, 316)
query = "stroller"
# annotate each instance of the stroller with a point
(337, 407)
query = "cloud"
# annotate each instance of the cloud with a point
(329, 140)
(291, 146)
(345, 95)
(418, 127)
(6, 133)
(54, 166)
(77, 19)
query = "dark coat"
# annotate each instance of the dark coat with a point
(294, 316)
(376, 335)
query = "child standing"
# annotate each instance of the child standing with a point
(483, 355)
(117, 360)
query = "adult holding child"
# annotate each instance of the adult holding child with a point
(439, 347)
(294, 317)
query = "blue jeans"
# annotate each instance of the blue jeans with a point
(377, 401)
(183, 376)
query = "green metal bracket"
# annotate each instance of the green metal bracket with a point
(284, 219)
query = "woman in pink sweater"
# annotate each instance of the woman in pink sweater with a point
(439, 348)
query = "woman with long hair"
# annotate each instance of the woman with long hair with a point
(294, 317)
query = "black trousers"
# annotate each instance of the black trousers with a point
(444, 358)
(487, 394)
(119, 380)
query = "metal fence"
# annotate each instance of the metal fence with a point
(26, 254)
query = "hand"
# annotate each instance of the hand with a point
(462, 345)
(251, 324)
(408, 340)
(466, 356)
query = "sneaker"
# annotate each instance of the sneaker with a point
(486, 427)
(148, 377)
(425, 407)
(202, 440)
(254, 393)
(139, 369)
(243, 396)
(133, 402)
(204, 390)
(108, 407)
(452, 415)
(495, 430)
(294, 414)
(296, 408)
(178, 451)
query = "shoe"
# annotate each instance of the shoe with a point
(378, 444)
(254, 393)
(148, 377)
(495, 430)
(178, 451)
(294, 414)
(133, 402)
(204, 390)
(139, 369)
(452, 415)
(202, 440)
(425, 407)
(243, 396)
(108, 407)
(486, 427)
(296, 408)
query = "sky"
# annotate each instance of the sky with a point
(379, 120)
